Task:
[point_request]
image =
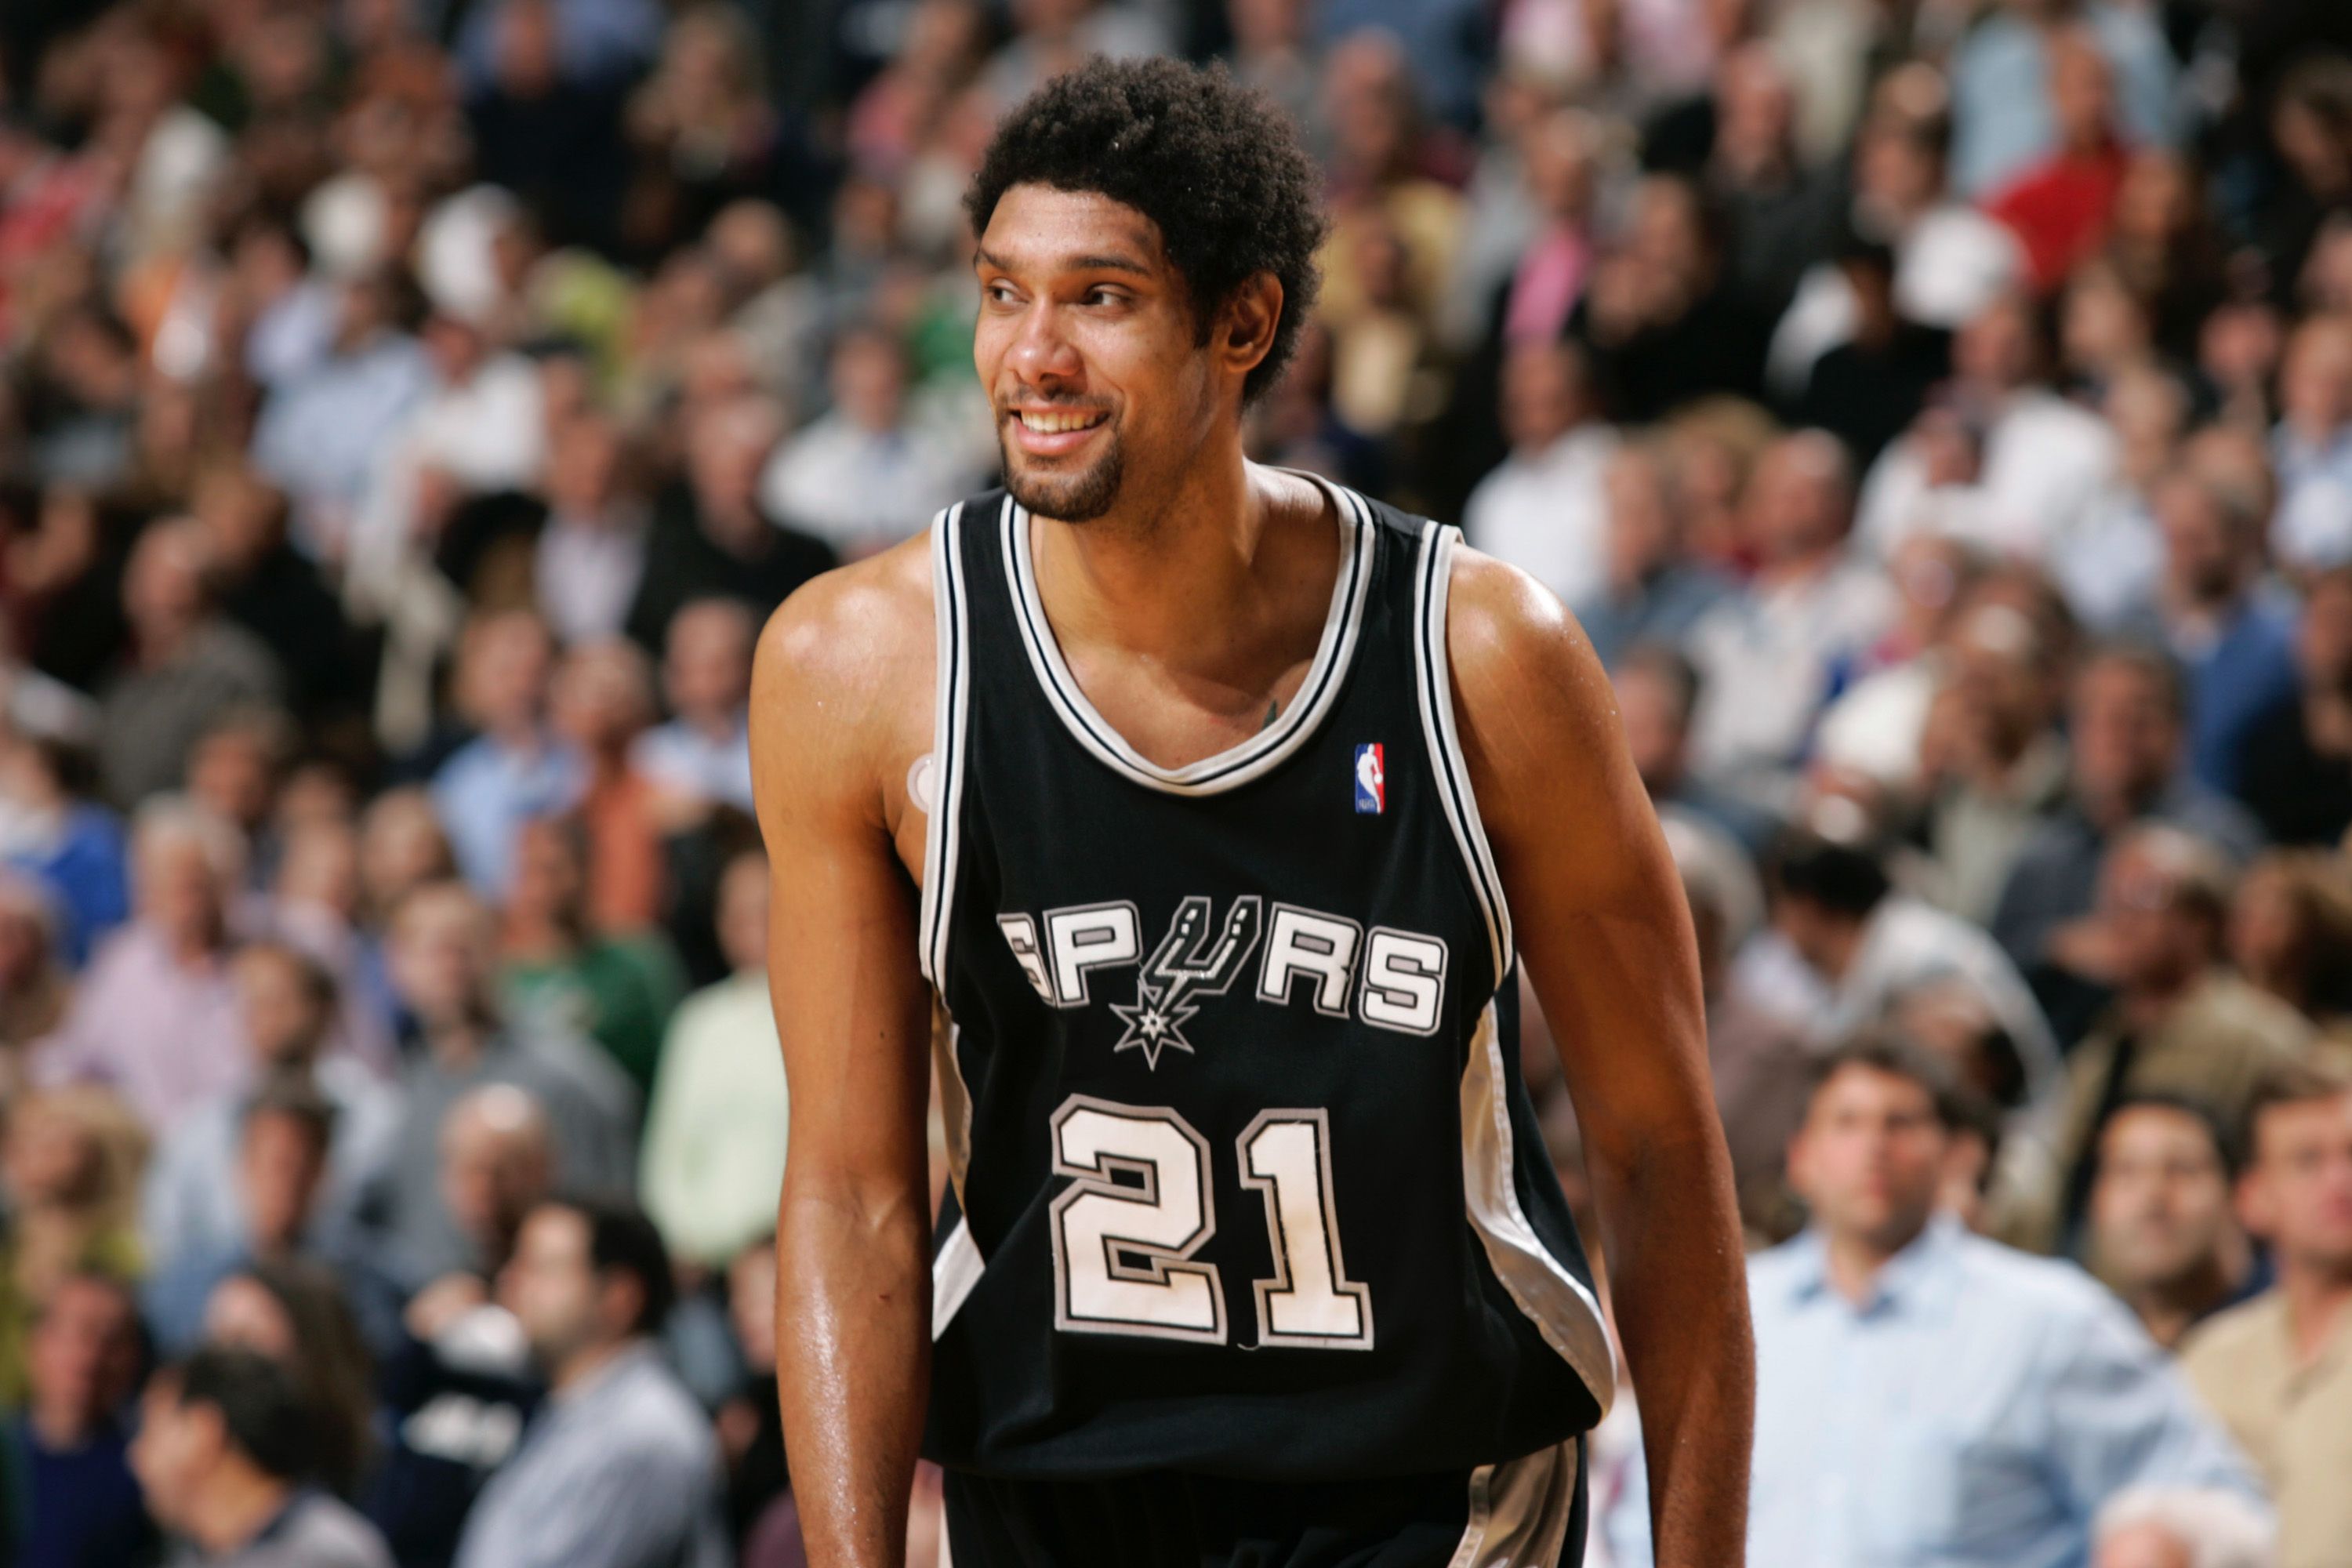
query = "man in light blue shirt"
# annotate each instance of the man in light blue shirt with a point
(1925, 1396)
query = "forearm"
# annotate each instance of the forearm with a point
(1670, 1233)
(853, 1368)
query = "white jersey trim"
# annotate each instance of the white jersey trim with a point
(950, 721)
(1433, 668)
(1562, 1310)
(1520, 1510)
(954, 1274)
(1235, 765)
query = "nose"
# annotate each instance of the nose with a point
(1041, 354)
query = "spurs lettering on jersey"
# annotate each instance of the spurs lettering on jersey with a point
(1389, 978)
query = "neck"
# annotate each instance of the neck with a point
(237, 1505)
(1798, 564)
(2169, 1310)
(61, 1425)
(1855, 1258)
(2316, 1301)
(1188, 583)
(455, 1041)
(1838, 948)
(2148, 999)
(583, 1364)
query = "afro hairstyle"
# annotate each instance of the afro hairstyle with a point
(1215, 165)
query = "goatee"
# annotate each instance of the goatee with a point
(1066, 498)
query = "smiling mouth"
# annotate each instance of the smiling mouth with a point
(1044, 422)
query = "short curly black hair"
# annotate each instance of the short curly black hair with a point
(1216, 165)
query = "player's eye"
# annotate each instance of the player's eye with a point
(1104, 297)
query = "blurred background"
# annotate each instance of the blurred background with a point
(1938, 413)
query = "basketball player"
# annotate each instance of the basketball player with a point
(1189, 818)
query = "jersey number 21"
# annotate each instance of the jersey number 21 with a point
(1123, 1251)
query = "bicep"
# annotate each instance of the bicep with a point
(1596, 904)
(852, 1007)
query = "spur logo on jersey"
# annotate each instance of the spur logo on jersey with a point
(1389, 978)
(1371, 779)
(1187, 964)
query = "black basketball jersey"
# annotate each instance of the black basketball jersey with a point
(1245, 1181)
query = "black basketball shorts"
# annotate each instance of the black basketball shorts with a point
(1527, 1512)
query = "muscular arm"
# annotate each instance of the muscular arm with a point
(853, 1224)
(1605, 935)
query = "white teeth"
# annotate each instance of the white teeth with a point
(1057, 424)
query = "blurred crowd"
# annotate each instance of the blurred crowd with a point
(1937, 412)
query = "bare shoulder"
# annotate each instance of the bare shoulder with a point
(1521, 665)
(842, 680)
(1556, 788)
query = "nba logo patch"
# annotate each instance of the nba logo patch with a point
(1371, 780)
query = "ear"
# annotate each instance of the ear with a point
(2254, 1202)
(1798, 1171)
(1243, 332)
(620, 1302)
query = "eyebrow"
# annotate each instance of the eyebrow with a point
(1086, 263)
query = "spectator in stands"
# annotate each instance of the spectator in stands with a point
(1544, 510)
(2125, 726)
(68, 1450)
(1779, 214)
(2179, 1023)
(714, 1156)
(1761, 1067)
(234, 771)
(223, 1445)
(71, 845)
(1868, 945)
(2001, 764)
(322, 430)
(443, 942)
(1649, 591)
(709, 535)
(2313, 443)
(1869, 388)
(68, 1184)
(273, 591)
(614, 988)
(2277, 1369)
(602, 704)
(32, 989)
(2162, 1234)
(591, 548)
(297, 1311)
(2235, 645)
(1664, 328)
(869, 472)
(750, 1424)
(2295, 768)
(1657, 688)
(2058, 208)
(479, 429)
(703, 753)
(2157, 1527)
(184, 664)
(1771, 654)
(287, 1140)
(2290, 934)
(157, 1012)
(2045, 458)
(2004, 108)
(2047, 1396)
(515, 769)
(621, 1470)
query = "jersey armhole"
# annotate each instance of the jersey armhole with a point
(1434, 683)
(949, 722)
